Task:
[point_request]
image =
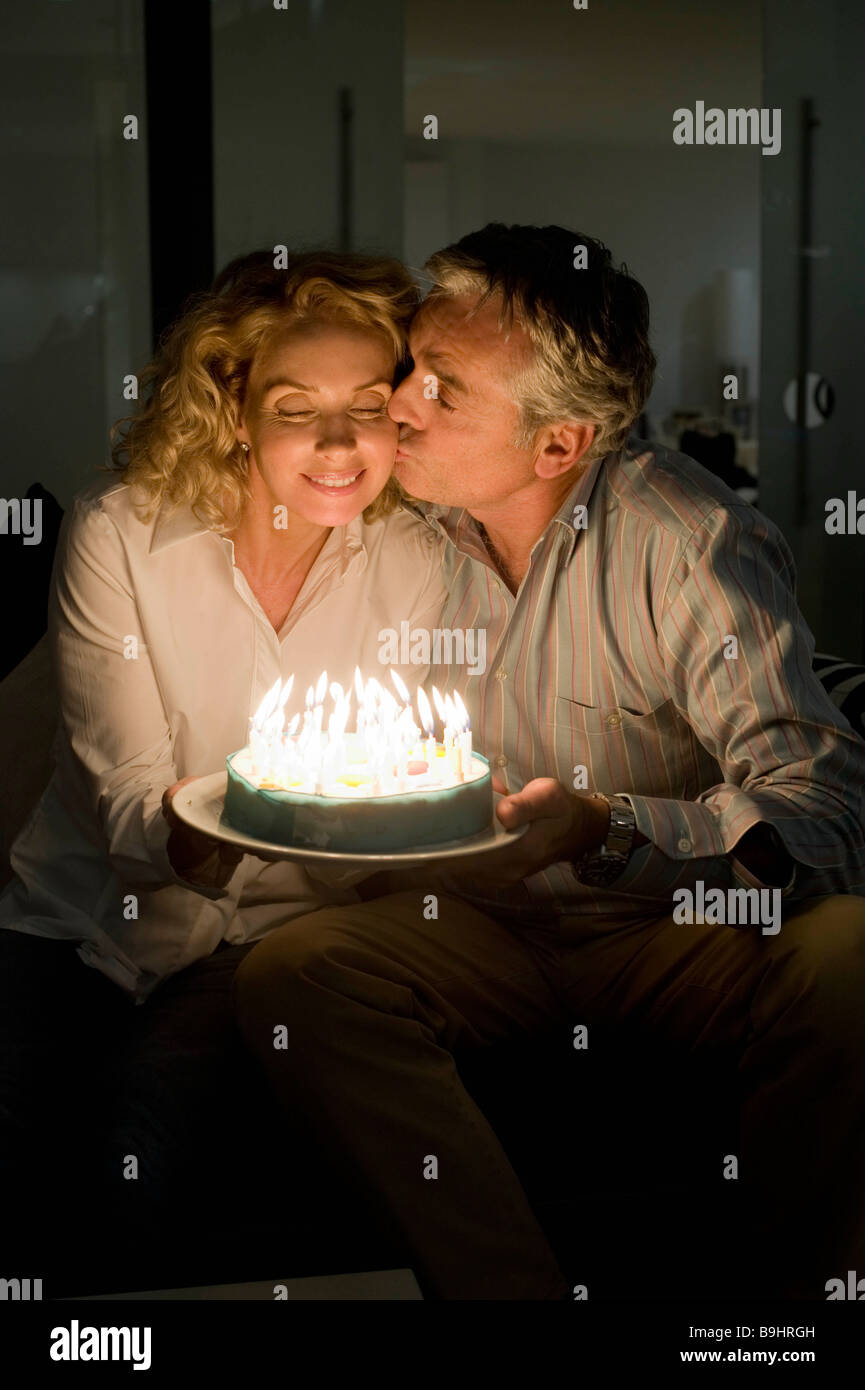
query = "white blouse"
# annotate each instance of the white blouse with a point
(91, 862)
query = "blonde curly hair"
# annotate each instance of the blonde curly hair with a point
(181, 446)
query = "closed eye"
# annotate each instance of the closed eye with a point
(365, 412)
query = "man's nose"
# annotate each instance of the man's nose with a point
(400, 407)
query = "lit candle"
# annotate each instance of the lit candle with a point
(289, 768)
(389, 753)
(256, 747)
(407, 734)
(286, 691)
(269, 703)
(453, 752)
(465, 733)
(426, 717)
(360, 695)
(401, 688)
(441, 709)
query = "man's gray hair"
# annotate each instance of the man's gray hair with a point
(589, 326)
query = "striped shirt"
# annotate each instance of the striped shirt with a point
(655, 650)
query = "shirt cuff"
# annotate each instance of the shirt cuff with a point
(157, 833)
(685, 844)
(331, 876)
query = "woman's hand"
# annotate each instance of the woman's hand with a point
(197, 857)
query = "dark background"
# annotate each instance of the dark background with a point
(304, 126)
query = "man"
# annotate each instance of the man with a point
(646, 645)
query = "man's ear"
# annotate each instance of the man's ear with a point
(559, 447)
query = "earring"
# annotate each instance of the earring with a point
(244, 447)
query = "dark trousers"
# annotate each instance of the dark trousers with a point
(357, 1016)
(109, 1110)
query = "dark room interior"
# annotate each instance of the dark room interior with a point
(147, 147)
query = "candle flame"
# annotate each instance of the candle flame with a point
(425, 708)
(286, 691)
(315, 751)
(265, 709)
(440, 706)
(337, 721)
(401, 686)
(462, 713)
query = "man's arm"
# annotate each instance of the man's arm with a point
(788, 812)
(737, 651)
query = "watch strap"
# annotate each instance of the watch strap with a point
(604, 864)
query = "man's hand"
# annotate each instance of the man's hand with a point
(562, 826)
(198, 858)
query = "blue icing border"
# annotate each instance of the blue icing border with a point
(357, 825)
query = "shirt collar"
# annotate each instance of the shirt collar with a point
(454, 522)
(578, 497)
(433, 514)
(173, 526)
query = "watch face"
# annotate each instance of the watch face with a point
(603, 871)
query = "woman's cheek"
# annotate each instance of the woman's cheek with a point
(385, 444)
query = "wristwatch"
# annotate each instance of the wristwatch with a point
(601, 866)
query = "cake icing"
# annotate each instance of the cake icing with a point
(350, 819)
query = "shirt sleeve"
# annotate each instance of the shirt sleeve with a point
(738, 653)
(109, 699)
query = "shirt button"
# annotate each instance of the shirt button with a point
(614, 720)
(685, 846)
(501, 675)
(500, 761)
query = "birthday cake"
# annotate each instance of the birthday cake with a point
(384, 788)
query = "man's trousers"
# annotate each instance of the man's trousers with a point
(358, 1016)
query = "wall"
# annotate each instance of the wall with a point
(814, 50)
(276, 77)
(674, 214)
(74, 264)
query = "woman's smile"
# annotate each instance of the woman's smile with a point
(345, 483)
(322, 442)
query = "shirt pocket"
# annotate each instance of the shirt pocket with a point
(648, 754)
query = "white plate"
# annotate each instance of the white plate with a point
(199, 805)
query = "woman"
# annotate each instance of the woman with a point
(252, 530)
